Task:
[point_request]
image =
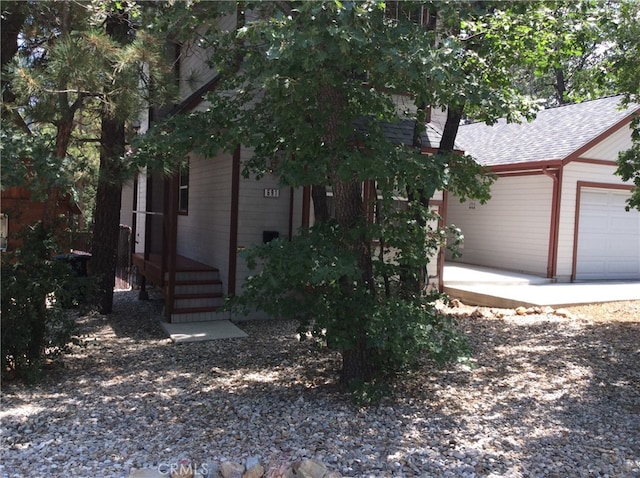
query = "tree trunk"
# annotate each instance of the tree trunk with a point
(13, 17)
(320, 204)
(560, 86)
(450, 131)
(357, 359)
(357, 363)
(106, 229)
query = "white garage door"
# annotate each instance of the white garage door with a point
(608, 236)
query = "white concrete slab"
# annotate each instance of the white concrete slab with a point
(202, 331)
(464, 274)
(495, 288)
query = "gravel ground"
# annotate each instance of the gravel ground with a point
(550, 396)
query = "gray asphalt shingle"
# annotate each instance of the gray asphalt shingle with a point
(553, 135)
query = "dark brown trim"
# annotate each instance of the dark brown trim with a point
(369, 200)
(522, 173)
(529, 165)
(626, 121)
(196, 97)
(601, 162)
(431, 150)
(172, 241)
(134, 216)
(233, 223)
(576, 227)
(306, 207)
(552, 254)
(291, 204)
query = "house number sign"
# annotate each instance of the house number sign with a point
(271, 193)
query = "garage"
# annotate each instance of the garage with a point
(608, 238)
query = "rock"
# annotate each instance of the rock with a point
(146, 473)
(521, 310)
(229, 469)
(252, 461)
(456, 303)
(182, 469)
(547, 310)
(253, 467)
(476, 314)
(256, 471)
(564, 313)
(310, 468)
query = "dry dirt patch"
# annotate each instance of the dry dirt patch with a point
(628, 311)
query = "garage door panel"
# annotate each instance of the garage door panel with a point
(608, 236)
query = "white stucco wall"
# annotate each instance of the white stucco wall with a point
(511, 231)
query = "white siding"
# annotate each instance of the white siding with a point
(511, 231)
(257, 213)
(439, 117)
(203, 234)
(194, 71)
(140, 218)
(572, 173)
(405, 105)
(126, 208)
(609, 148)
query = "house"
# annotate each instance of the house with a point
(557, 209)
(20, 209)
(188, 229)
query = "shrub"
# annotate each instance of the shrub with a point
(35, 326)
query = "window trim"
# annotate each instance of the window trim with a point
(183, 186)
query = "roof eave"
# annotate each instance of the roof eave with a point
(626, 121)
(525, 166)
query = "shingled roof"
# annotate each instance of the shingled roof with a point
(401, 133)
(553, 135)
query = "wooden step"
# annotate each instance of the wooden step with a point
(195, 301)
(200, 314)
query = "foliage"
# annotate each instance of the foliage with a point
(303, 278)
(35, 326)
(309, 87)
(72, 70)
(574, 62)
(626, 62)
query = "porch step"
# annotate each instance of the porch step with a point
(195, 301)
(210, 274)
(194, 287)
(198, 294)
(198, 314)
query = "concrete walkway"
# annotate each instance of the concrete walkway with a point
(201, 331)
(475, 285)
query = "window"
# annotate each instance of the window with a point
(183, 189)
(4, 232)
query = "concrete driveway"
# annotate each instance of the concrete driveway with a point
(476, 285)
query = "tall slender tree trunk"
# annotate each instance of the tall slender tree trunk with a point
(357, 358)
(106, 227)
(320, 203)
